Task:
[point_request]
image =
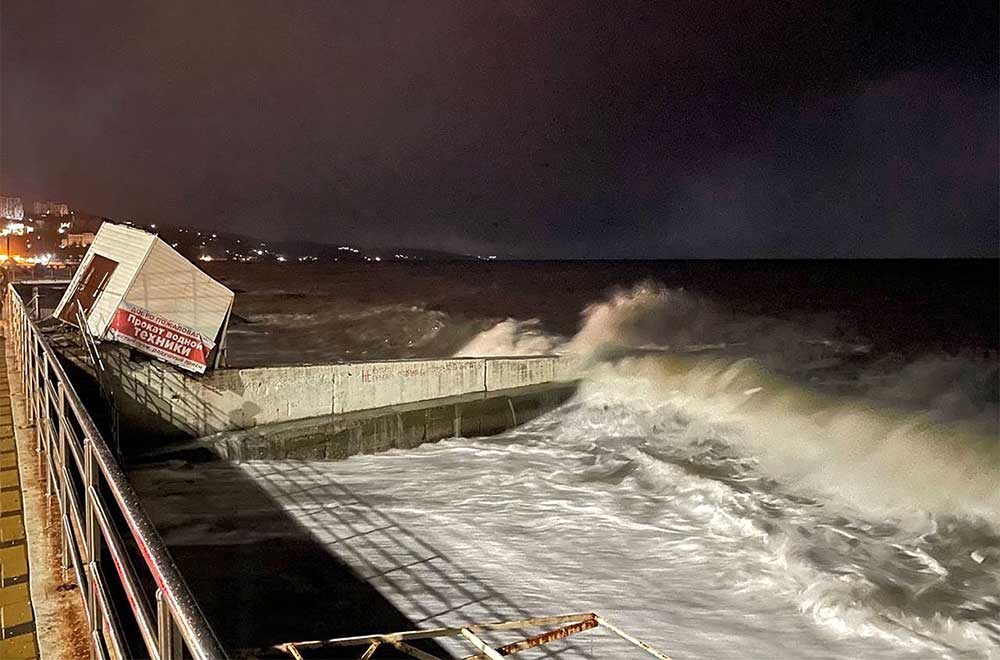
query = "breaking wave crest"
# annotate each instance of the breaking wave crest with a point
(513, 337)
(875, 481)
(651, 316)
(817, 353)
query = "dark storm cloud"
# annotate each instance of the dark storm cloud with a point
(903, 166)
(568, 129)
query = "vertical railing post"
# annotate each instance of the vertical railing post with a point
(25, 363)
(92, 530)
(24, 340)
(33, 384)
(36, 348)
(12, 323)
(24, 359)
(19, 334)
(22, 345)
(24, 348)
(35, 398)
(171, 645)
(46, 428)
(30, 360)
(63, 495)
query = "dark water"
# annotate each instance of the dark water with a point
(902, 306)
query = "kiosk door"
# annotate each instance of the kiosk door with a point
(91, 286)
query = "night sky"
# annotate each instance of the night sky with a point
(528, 129)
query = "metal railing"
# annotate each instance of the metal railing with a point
(133, 594)
(573, 624)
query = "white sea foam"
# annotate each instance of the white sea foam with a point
(880, 460)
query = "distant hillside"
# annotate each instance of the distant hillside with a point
(204, 245)
(60, 237)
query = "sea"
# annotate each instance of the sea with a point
(764, 459)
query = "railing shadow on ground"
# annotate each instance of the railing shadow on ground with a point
(431, 588)
(272, 559)
(160, 407)
(138, 403)
(168, 401)
(260, 577)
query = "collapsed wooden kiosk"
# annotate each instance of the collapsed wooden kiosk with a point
(133, 288)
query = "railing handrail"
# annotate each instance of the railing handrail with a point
(184, 610)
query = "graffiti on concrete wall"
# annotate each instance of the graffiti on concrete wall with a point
(377, 373)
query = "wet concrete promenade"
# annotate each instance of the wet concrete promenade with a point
(17, 620)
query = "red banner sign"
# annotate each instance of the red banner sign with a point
(160, 337)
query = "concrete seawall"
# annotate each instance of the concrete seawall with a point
(175, 405)
(336, 437)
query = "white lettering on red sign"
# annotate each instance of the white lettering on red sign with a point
(160, 337)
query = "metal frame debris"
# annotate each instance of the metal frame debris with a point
(572, 624)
